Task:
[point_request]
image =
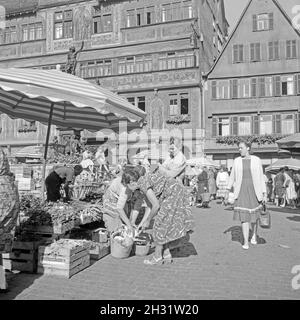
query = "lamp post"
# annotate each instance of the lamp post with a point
(196, 41)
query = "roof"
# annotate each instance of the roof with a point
(239, 22)
(17, 6)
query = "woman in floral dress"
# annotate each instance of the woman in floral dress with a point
(9, 208)
(171, 211)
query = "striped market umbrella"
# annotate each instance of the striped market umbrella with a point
(64, 100)
(291, 163)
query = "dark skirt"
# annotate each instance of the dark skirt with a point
(53, 183)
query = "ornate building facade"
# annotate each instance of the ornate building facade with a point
(152, 52)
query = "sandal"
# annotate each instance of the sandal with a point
(153, 261)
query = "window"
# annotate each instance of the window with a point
(141, 103)
(130, 65)
(273, 50)
(130, 18)
(244, 91)
(135, 64)
(268, 86)
(98, 68)
(223, 127)
(32, 31)
(265, 124)
(291, 50)
(140, 17)
(150, 15)
(179, 104)
(8, 35)
(63, 25)
(287, 85)
(173, 106)
(234, 88)
(264, 21)
(287, 124)
(238, 53)
(101, 22)
(173, 60)
(255, 52)
(187, 10)
(253, 87)
(244, 126)
(131, 100)
(172, 11)
(184, 103)
(223, 91)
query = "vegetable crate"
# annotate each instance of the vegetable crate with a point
(44, 232)
(99, 250)
(63, 261)
(64, 226)
(23, 256)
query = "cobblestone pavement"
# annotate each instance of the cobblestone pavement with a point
(212, 265)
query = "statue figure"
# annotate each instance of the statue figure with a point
(72, 59)
(157, 116)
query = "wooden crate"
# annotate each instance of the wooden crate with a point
(64, 227)
(23, 256)
(64, 261)
(99, 250)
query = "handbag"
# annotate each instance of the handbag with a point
(265, 217)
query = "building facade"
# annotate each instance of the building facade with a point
(254, 86)
(151, 52)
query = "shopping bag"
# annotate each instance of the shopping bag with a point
(265, 217)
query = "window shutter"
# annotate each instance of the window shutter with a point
(253, 87)
(298, 83)
(276, 50)
(214, 128)
(255, 124)
(293, 49)
(288, 49)
(278, 123)
(241, 53)
(271, 21)
(257, 52)
(235, 53)
(295, 83)
(234, 126)
(297, 122)
(214, 89)
(271, 50)
(262, 91)
(251, 51)
(254, 21)
(235, 88)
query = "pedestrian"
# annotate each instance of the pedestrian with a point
(279, 190)
(61, 176)
(249, 191)
(222, 182)
(174, 165)
(289, 185)
(9, 208)
(212, 188)
(202, 185)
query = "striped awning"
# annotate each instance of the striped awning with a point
(78, 104)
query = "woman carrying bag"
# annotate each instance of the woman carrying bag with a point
(249, 191)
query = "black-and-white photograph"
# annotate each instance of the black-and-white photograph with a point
(149, 151)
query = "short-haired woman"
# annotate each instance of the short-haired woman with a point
(249, 191)
(115, 198)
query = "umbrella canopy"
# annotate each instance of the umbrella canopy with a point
(62, 99)
(77, 103)
(290, 142)
(291, 163)
(203, 162)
